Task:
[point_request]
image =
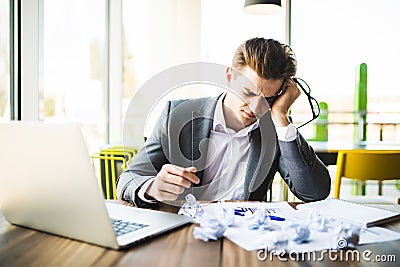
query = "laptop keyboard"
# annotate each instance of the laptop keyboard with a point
(123, 227)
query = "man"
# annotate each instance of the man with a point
(230, 146)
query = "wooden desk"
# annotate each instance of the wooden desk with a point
(327, 151)
(24, 247)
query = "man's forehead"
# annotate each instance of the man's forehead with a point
(258, 84)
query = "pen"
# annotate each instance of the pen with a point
(275, 218)
(239, 213)
(272, 217)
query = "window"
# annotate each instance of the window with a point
(332, 38)
(73, 83)
(225, 26)
(158, 35)
(4, 60)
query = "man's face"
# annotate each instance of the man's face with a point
(248, 100)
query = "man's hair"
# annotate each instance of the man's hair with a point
(267, 57)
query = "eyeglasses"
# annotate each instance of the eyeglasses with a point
(271, 99)
(311, 100)
(315, 109)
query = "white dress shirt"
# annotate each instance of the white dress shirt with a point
(227, 157)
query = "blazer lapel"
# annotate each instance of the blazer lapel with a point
(254, 157)
(263, 151)
(202, 122)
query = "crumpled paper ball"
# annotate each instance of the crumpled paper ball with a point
(191, 207)
(346, 236)
(299, 233)
(210, 229)
(213, 226)
(280, 241)
(261, 221)
(319, 222)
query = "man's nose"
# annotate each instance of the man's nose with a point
(258, 105)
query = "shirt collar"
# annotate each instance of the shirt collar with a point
(219, 123)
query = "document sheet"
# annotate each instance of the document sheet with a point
(282, 218)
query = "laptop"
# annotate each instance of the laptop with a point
(48, 183)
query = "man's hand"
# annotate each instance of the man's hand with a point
(171, 181)
(280, 108)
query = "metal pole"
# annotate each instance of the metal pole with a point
(288, 22)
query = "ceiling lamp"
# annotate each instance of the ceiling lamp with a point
(262, 7)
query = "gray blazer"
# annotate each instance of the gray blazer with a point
(181, 137)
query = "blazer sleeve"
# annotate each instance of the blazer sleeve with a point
(305, 174)
(146, 163)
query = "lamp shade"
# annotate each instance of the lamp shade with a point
(262, 7)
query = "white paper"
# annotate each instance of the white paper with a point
(377, 234)
(353, 212)
(240, 234)
(282, 209)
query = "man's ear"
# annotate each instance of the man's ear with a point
(229, 74)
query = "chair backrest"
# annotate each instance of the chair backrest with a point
(112, 161)
(367, 165)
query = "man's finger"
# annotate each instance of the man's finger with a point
(172, 188)
(163, 195)
(191, 169)
(177, 180)
(187, 173)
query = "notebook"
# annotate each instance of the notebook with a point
(362, 214)
(48, 183)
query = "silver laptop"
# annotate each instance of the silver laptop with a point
(47, 182)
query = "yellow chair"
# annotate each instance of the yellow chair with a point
(112, 162)
(363, 165)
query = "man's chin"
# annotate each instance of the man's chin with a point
(246, 121)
